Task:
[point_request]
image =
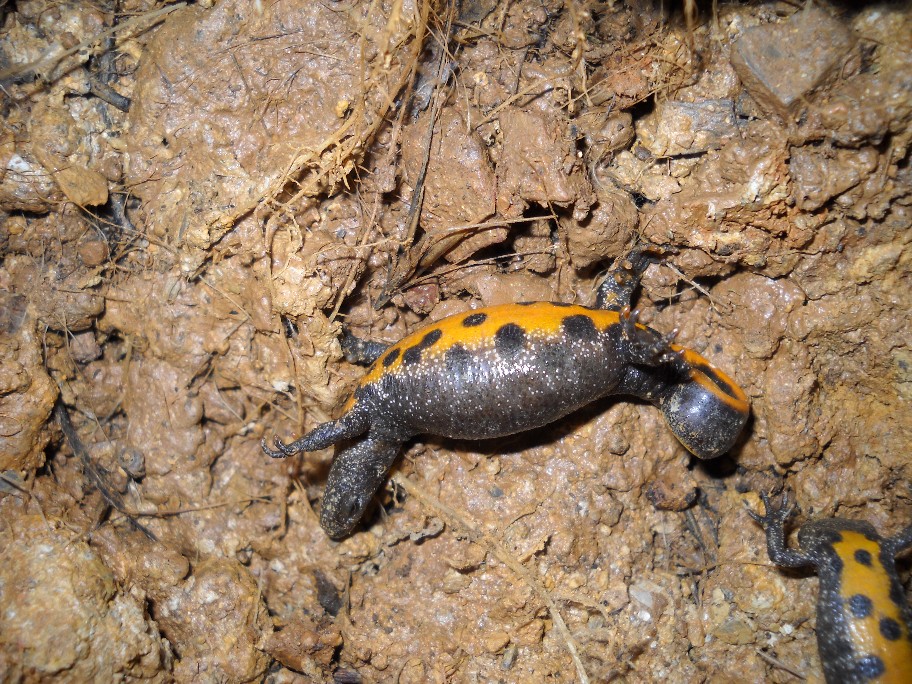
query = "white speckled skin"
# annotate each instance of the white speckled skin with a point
(502, 370)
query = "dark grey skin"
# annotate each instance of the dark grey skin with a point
(841, 662)
(515, 383)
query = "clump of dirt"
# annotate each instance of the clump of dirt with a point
(195, 200)
(66, 616)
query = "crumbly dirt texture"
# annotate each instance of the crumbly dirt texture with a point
(196, 198)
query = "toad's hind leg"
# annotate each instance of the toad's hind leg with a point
(352, 424)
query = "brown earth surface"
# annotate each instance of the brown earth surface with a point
(176, 269)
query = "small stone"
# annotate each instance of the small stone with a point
(650, 596)
(615, 133)
(496, 641)
(671, 495)
(509, 657)
(454, 581)
(84, 347)
(780, 63)
(82, 186)
(467, 557)
(93, 252)
(821, 173)
(422, 298)
(300, 642)
(735, 631)
(612, 223)
(678, 128)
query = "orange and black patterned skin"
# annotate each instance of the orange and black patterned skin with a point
(864, 625)
(504, 369)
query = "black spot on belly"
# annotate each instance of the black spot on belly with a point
(431, 338)
(509, 340)
(711, 373)
(412, 355)
(474, 319)
(890, 629)
(860, 606)
(525, 303)
(458, 358)
(580, 327)
(831, 536)
(562, 304)
(390, 358)
(869, 667)
(613, 329)
(863, 556)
